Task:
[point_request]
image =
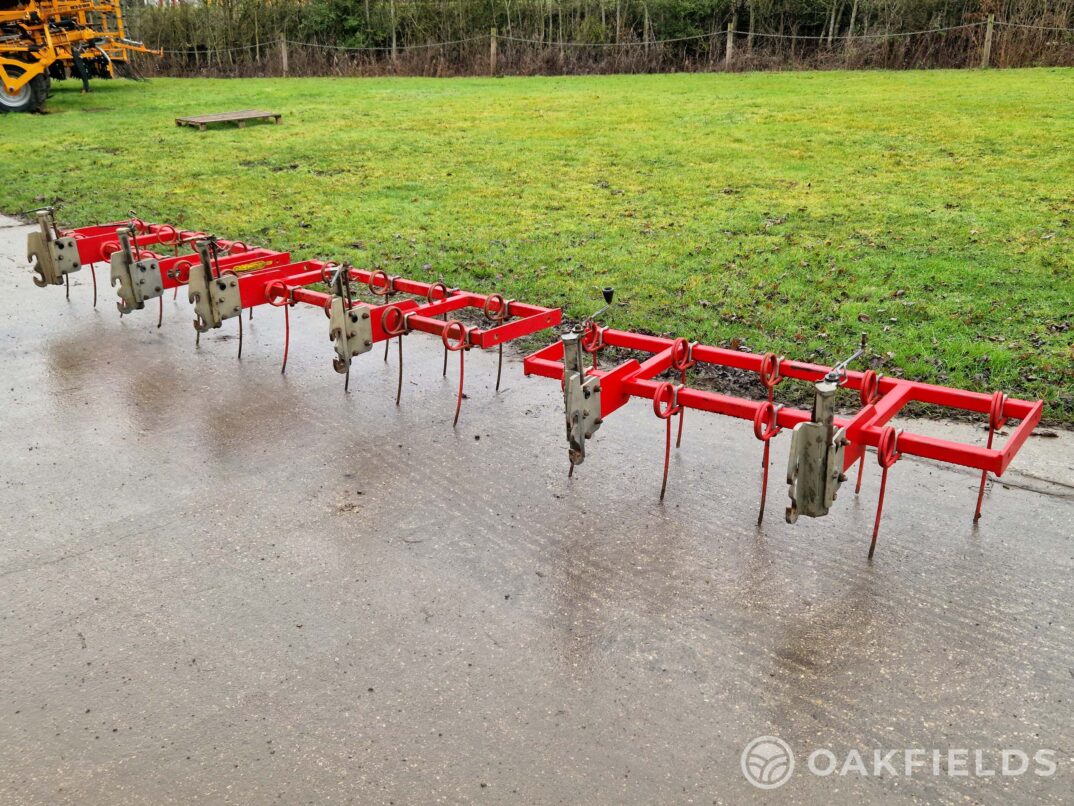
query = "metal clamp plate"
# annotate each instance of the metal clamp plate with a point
(147, 278)
(814, 471)
(52, 258)
(581, 399)
(214, 298)
(351, 330)
(582, 403)
(135, 283)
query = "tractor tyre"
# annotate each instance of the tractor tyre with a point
(28, 99)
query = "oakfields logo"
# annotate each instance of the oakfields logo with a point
(768, 762)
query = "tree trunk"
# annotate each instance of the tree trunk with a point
(391, 8)
(749, 37)
(850, 30)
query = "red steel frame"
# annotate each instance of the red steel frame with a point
(634, 379)
(97, 243)
(510, 319)
(267, 276)
(882, 399)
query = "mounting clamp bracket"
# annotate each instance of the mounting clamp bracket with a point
(135, 280)
(351, 330)
(51, 255)
(815, 465)
(214, 298)
(581, 398)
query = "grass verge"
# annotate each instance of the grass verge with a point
(790, 212)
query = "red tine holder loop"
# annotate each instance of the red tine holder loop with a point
(682, 355)
(887, 452)
(769, 371)
(380, 283)
(455, 343)
(168, 234)
(278, 294)
(436, 287)
(870, 388)
(996, 420)
(592, 337)
(393, 321)
(182, 272)
(495, 308)
(108, 248)
(766, 421)
(666, 401)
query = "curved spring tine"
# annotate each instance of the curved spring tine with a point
(984, 478)
(764, 465)
(667, 459)
(879, 510)
(399, 387)
(462, 377)
(764, 480)
(239, 317)
(682, 411)
(286, 336)
(160, 311)
(93, 275)
(499, 367)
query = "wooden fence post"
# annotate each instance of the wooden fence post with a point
(986, 51)
(730, 42)
(283, 56)
(492, 52)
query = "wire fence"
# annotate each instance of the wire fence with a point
(721, 48)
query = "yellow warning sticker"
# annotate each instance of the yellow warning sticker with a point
(254, 266)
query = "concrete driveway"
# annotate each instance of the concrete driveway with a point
(220, 584)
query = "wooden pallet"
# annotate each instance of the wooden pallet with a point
(238, 118)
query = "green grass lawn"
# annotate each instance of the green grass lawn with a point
(931, 210)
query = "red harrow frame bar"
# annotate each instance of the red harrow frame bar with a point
(823, 446)
(223, 278)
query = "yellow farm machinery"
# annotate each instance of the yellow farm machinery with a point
(41, 40)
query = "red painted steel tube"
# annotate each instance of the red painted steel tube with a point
(863, 430)
(168, 264)
(260, 270)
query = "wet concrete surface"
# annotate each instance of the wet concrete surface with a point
(220, 584)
